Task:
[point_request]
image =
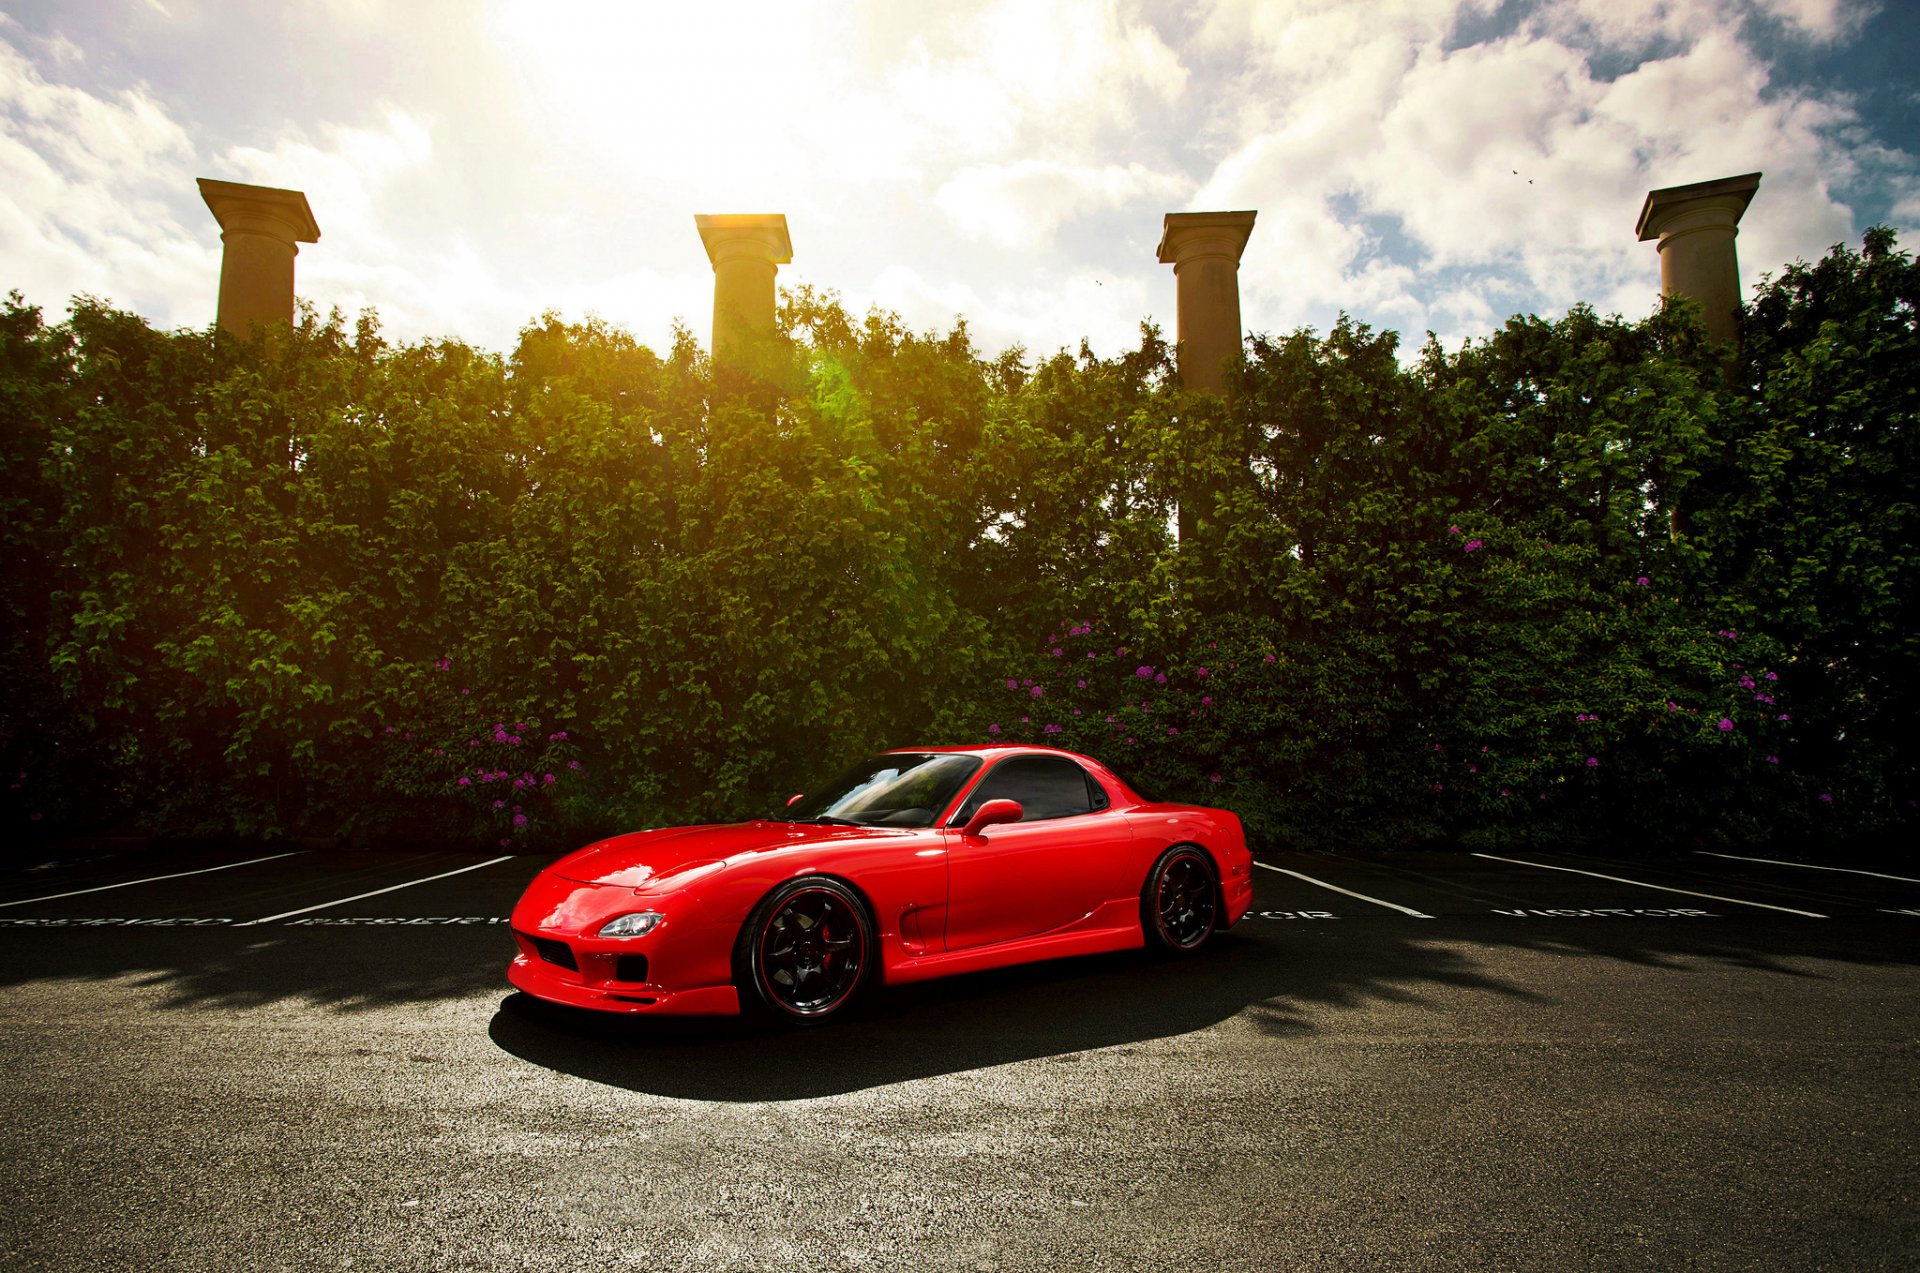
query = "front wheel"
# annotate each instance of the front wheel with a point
(1180, 903)
(805, 950)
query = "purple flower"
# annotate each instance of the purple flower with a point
(1160, 679)
(1505, 792)
(504, 842)
(1784, 716)
(1120, 652)
(1726, 726)
(1213, 777)
(1642, 581)
(1037, 692)
(1269, 658)
(1172, 730)
(560, 737)
(519, 819)
(500, 735)
(1051, 729)
(443, 665)
(1057, 651)
(1826, 797)
(1472, 545)
(993, 729)
(1143, 672)
(465, 781)
(1012, 684)
(1079, 685)
(1201, 673)
(499, 804)
(1453, 530)
(1437, 787)
(573, 764)
(1026, 720)
(1772, 676)
(1473, 769)
(548, 779)
(1593, 762)
(1773, 760)
(513, 740)
(1076, 711)
(466, 691)
(1206, 701)
(392, 730)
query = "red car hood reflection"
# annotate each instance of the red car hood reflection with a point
(650, 861)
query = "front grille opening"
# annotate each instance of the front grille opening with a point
(630, 968)
(555, 952)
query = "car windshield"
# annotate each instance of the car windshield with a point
(898, 789)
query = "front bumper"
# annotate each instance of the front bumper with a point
(682, 967)
(556, 985)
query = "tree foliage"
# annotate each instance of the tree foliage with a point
(1584, 580)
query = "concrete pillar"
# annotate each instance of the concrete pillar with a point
(260, 226)
(1204, 249)
(1696, 226)
(746, 249)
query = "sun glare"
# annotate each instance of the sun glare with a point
(728, 104)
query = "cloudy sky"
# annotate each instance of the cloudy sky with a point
(1421, 164)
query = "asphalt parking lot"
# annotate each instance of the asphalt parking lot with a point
(309, 1060)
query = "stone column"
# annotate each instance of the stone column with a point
(260, 226)
(1696, 226)
(1204, 249)
(746, 249)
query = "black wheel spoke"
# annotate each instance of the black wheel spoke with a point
(1184, 901)
(812, 952)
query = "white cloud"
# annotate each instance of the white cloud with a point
(1004, 159)
(1512, 160)
(1022, 204)
(83, 180)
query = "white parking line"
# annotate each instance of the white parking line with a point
(151, 879)
(1809, 866)
(342, 901)
(1392, 906)
(1684, 892)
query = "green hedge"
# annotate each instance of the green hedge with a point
(1584, 581)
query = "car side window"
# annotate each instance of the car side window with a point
(1045, 786)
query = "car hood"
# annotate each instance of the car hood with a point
(654, 861)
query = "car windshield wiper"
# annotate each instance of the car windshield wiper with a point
(828, 820)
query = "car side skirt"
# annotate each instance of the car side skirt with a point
(1114, 926)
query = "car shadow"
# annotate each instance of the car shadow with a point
(1284, 986)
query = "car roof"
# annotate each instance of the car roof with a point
(994, 749)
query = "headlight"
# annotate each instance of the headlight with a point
(635, 925)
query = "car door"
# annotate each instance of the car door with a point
(1051, 869)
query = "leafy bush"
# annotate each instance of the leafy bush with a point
(319, 584)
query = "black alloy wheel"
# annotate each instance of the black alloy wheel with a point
(1180, 903)
(808, 946)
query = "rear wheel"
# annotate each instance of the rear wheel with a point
(805, 950)
(1180, 904)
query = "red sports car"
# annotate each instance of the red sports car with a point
(915, 863)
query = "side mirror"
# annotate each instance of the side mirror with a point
(796, 798)
(991, 812)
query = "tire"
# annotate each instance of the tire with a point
(1180, 904)
(804, 952)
